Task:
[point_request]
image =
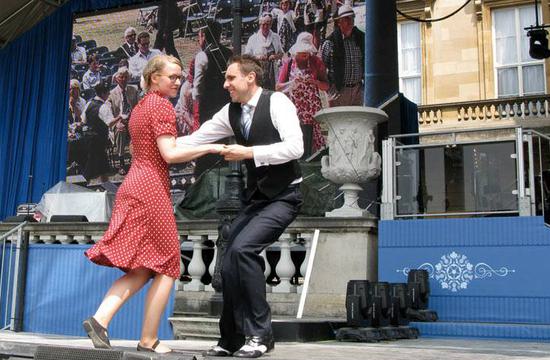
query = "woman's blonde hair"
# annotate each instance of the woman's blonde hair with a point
(154, 65)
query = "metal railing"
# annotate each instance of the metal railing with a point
(12, 277)
(465, 173)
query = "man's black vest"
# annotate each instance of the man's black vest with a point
(93, 120)
(339, 54)
(211, 87)
(269, 180)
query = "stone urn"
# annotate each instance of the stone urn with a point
(352, 157)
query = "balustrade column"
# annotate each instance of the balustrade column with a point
(211, 268)
(285, 268)
(179, 284)
(267, 271)
(303, 267)
(196, 268)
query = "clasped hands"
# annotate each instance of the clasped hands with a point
(232, 152)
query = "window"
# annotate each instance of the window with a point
(410, 60)
(517, 74)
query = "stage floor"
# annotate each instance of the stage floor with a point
(420, 349)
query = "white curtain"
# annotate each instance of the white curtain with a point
(410, 61)
(513, 68)
(505, 37)
(533, 79)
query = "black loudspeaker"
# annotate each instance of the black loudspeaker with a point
(381, 304)
(68, 218)
(357, 303)
(19, 219)
(400, 301)
(418, 284)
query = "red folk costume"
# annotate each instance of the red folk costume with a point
(142, 231)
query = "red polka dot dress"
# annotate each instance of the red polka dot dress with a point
(142, 231)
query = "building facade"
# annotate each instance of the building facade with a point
(473, 69)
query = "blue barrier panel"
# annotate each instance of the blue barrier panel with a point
(64, 288)
(481, 269)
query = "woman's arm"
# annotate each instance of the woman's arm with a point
(173, 154)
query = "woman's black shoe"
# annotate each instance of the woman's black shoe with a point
(97, 333)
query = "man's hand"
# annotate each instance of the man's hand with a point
(237, 152)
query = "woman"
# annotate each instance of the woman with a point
(265, 46)
(142, 239)
(285, 24)
(301, 78)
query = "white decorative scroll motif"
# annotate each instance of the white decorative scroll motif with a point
(454, 271)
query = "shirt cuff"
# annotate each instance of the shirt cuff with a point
(261, 155)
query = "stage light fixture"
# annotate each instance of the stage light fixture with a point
(538, 43)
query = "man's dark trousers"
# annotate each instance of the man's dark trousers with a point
(259, 224)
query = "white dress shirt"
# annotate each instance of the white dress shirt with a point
(137, 63)
(284, 118)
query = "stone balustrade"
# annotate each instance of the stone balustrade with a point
(532, 111)
(347, 249)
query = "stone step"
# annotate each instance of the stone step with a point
(285, 305)
(284, 328)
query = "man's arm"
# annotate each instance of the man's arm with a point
(212, 130)
(291, 146)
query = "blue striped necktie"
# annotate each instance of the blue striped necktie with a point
(246, 120)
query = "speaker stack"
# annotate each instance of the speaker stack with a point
(381, 311)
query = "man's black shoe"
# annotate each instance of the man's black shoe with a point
(255, 346)
(217, 351)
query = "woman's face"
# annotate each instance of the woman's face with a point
(168, 80)
(285, 5)
(302, 59)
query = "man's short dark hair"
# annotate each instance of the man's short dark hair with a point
(143, 35)
(101, 89)
(247, 64)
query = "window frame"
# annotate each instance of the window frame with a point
(405, 76)
(519, 64)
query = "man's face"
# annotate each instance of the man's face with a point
(122, 80)
(94, 66)
(265, 26)
(346, 25)
(143, 45)
(238, 84)
(131, 38)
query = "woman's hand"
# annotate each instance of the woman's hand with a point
(216, 148)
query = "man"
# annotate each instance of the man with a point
(78, 53)
(139, 60)
(210, 67)
(343, 53)
(269, 140)
(169, 19)
(97, 137)
(208, 93)
(130, 47)
(122, 99)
